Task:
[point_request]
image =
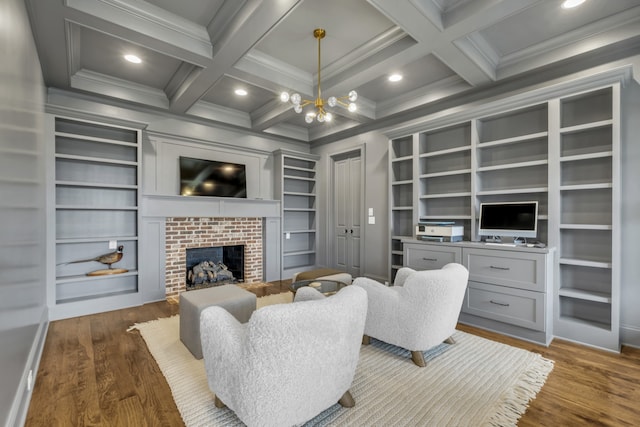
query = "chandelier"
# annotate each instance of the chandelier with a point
(319, 113)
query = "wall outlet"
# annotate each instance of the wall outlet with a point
(372, 220)
(113, 244)
(30, 380)
(287, 236)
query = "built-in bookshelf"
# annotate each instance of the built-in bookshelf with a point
(96, 178)
(296, 189)
(401, 184)
(562, 153)
(588, 230)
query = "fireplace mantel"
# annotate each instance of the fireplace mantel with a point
(202, 206)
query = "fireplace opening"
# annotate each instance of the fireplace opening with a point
(214, 266)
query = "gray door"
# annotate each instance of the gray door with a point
(347, 212)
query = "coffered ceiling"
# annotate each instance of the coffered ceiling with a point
(196, 53)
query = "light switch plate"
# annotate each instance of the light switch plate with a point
(370, 211)
(287, 236)
(372, 220)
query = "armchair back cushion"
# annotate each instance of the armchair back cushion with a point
(289, 362)
(420, 311)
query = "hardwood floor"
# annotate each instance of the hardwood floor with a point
(93, 372)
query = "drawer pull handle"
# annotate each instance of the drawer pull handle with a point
(503, 304)
(430, 259)
(499, 268)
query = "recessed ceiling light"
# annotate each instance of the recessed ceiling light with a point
(241, 92)
(395, 77)
(133, 58)
(568, 4)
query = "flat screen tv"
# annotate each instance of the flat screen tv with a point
(512, 219)
(212, 178)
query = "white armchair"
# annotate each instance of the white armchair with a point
(420, 311)
(290, 361)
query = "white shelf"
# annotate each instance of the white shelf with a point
(447, 173)
(402, 159)
(443, 217)
(512, 165)
(446, 195)
(95, 208)
(88, 279)
(96, 239)
(299, 231)
(299, 178)
(586, 126)
(515, 139)
(585, 263)
(404, 182)
(579, 187)
(445, 152)
(513, 191)
(585, 227)
(96, 139)
(589, 156)
(294, 193)
(96, 160)
(95, 185)
(585, 295)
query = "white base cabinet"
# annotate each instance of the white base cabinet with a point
(509, 290)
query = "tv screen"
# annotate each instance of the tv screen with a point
(514, 219)
(212, 178)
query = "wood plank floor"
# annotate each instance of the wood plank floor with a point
(95, 373)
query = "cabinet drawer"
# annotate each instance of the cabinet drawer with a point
(430, 257)
(513, 306)
(507, 268)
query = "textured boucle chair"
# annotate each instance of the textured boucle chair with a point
(290, 361)
(419, 311)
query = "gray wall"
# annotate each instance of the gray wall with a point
(630, 154)
(376, 244)
(22, 235)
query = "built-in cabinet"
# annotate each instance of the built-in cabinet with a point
(94, 208)
(509, 290)
(562, 152)
(295, 187)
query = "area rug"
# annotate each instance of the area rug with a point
(475, 382)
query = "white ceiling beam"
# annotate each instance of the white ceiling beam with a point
(250, 25)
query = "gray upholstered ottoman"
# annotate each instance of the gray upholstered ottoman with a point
(235, 300)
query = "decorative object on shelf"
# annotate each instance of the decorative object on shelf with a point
(319, 113)
(108, 259)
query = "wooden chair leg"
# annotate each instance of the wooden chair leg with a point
(219, 403)
(347, 400)
(450, 340)
(418, 358)
(366, 340)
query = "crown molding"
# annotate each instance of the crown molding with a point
(207, 110)
(91, 81)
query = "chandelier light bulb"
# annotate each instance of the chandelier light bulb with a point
(332, 101)
(284, 97)
(297, 108)
(308, 118)
(328, 117)
(296, 99)
(353, 96)
(352, 107)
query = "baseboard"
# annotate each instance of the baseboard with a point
(20, 408)
(630, 336)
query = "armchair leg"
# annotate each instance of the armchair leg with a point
(366, 340)
(418, 358)
(219, 403)
(450, 340)
(347, 400)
